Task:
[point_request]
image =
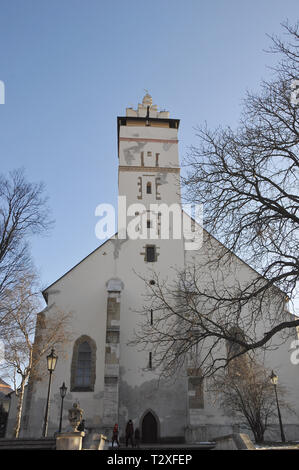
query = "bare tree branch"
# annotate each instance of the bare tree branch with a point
(28, 335)
(23, 212)
(247, 180)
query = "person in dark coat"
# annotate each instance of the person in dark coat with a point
(115, 435)
(81, 426)
(129, 433)
(137, 437)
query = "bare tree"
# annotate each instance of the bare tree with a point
(192, 319)
(247, 180)
(23, 212)
(245, 392)
(28, 334)
(287, 67)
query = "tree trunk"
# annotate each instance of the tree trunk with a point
(19, 409)
(258, 432)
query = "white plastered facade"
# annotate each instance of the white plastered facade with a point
(105, 291)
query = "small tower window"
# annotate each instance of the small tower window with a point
(149, 188)
(150, 254)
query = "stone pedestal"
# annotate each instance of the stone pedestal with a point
(101, 442)
(69, 441)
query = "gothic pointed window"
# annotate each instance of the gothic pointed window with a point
(195, 388)
(83, 365)
(83, 372)
(234, 348)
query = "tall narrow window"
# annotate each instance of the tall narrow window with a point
(149, 188)
(83, 365)
(195, 389)
(152, 317)
(238, 361)
(83, 373)
(234, 348)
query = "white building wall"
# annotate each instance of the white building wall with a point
(83, 291)
(211, 421)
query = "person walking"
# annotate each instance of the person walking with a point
(115, 435)
(129, 433)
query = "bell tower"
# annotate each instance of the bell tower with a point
(149, 169)
(148, 154)
(149, 180)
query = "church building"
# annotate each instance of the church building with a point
(113, 380)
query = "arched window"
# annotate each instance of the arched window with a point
(83, 365)
(149, 188)
(234, 348)
(195, 388)
(238, 364)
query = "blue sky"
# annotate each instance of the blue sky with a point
(70, 67)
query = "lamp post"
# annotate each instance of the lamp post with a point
(274, 380)
(63, 390)
(51, 363)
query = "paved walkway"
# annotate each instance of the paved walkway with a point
(196, 446)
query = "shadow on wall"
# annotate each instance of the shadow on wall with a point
(156, 406)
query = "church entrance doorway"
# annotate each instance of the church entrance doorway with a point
(149, 428)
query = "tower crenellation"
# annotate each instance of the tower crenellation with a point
(147, 108)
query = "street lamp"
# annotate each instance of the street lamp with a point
(274, 380)
(51, 363)
(63, 390)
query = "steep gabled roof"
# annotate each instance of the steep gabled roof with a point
(44, 292)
